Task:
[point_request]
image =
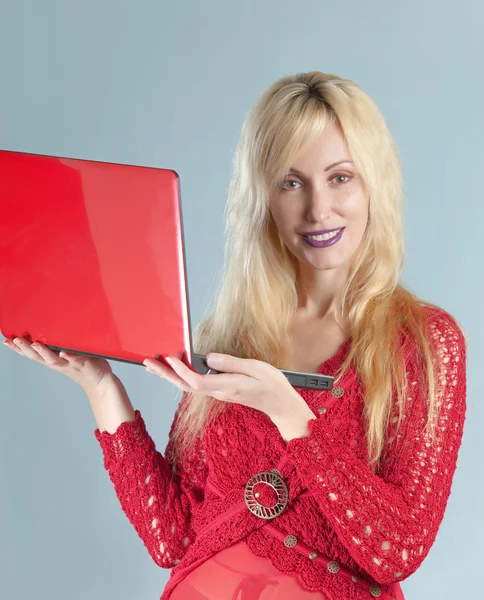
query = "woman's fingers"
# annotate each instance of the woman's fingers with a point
(12, 346)
(41, 353)
(157, 368)
(50, 357)
(26, 349)
(36, 351)
(185, 373)
(220, 386)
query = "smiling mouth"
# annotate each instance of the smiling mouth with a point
(324, 236)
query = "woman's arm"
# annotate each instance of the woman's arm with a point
(388, 522)
(157, 502)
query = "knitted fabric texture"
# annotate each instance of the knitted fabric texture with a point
(380, 526)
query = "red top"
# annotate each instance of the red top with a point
(354, 534)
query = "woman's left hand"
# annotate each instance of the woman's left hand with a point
(247, 381)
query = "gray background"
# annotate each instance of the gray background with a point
(168, 84)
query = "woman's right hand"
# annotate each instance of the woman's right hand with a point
(89, 372)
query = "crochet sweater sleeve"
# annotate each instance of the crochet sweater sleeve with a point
(157, 501)
(389, 521)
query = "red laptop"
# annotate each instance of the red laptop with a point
(92, 260)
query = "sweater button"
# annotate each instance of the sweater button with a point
(276, 487)
(375, 590)
(337, 392)
(313, 555)
(321, 409)
(290, 541)
(333, 566)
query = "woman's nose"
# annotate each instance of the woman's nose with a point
(318, 204)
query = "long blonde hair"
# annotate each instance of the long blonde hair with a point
(257, 296)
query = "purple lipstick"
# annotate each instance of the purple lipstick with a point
(323, 243)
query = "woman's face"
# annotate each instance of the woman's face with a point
(315, 195)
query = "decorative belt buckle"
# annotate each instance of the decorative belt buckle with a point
(274, 480)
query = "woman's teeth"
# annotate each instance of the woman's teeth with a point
(323, 237)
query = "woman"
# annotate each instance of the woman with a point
(264, 491)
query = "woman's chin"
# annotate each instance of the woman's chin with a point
(323, 265)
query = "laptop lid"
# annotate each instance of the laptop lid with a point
(92, 260)
(91, 257)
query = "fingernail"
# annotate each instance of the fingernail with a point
(214, 359)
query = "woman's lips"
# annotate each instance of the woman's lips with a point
(324, 243)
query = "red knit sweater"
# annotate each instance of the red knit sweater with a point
(354, 533)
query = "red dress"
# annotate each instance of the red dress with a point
(235, 573)
(341, 529)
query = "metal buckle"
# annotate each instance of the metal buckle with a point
(274, 480)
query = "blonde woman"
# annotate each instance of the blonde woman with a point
(268, 492)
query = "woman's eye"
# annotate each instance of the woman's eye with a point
(339, 176)
(287, 183)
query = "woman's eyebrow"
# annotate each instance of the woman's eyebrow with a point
(339, 162)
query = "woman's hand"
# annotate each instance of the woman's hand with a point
(90, 373)
(246, 381)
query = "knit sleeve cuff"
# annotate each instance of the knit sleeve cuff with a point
(130, 438)
(316, 453)
(319, 437)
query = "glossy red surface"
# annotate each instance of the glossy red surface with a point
(91, 257)
(234, 573)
